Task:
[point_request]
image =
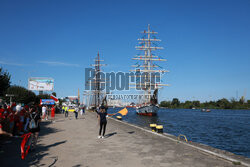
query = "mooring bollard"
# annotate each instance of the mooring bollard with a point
(153, 127)
(119, 117)
(159, 128)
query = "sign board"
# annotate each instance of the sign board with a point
(41, 84)
(72, 99)
(47, 102)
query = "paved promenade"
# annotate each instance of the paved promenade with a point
(69, 142)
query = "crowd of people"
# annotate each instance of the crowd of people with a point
(15, 119)
(76, 109)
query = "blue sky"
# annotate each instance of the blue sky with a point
(207, 42)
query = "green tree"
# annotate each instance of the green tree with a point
(234, 103)
(223, 103)
(4, 81)
(248, 104)
(212, 104)
(196, 104)
(242, 100)
(21, 95)
(165, 104)
(188, 104)
(175, 103)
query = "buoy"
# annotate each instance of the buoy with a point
(119, 117)
(153, 127)
(159, 129)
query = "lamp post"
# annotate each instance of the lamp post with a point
(10, 95)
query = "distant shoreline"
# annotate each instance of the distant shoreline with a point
(206, 108)
(223, 103)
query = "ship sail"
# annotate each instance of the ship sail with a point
(147, 45)
(154, 97)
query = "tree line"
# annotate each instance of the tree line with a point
(219, 104)
(21, 94)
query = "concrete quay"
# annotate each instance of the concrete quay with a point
(74, 143)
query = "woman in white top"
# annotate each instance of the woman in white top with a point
(44, 112)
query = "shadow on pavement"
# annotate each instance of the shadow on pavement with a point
(38, 154)
(110, 134)
(10, 153)
(47, 130)
(77, 165)
(55, 160)
(131, 132)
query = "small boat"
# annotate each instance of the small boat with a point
(205, 110)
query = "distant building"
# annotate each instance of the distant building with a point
(116, 103)
(72, 99)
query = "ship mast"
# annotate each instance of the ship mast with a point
(97, 93)
(148, 59)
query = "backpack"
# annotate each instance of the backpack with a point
(32, 123)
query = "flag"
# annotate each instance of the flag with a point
(54, 98)
(123, 111)
(25, 150)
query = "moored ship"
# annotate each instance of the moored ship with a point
(148, 105)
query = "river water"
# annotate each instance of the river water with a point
(223, 129)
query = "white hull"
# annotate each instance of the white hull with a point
(147, 110)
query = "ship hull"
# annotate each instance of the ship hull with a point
(147, 110)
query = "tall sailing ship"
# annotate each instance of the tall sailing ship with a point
(148, 105)
(94, 97)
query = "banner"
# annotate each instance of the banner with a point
(41, 84)
(47, 102)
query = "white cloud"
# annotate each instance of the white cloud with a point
(55, 63)
(11, 64)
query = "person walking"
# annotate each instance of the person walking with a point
(102, 114)
(82, 110)
(63, 109)
(76, 112)
(53, 109)
(34, 126)
(66, 111)
(27, 119)
(44, 112)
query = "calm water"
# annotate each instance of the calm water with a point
(223, 129)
